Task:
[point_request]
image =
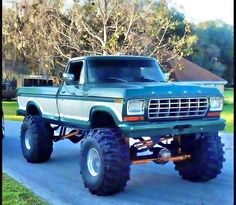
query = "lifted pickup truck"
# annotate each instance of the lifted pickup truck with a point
(104, 101)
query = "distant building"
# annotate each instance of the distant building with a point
(187, 72)
(36, 80)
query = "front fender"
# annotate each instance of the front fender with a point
(107, 110)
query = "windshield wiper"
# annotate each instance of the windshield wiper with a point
(146, 80)
(118, 79)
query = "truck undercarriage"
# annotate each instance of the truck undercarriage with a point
(160, 148)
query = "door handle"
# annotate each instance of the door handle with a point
(63, 91)
(85, 93)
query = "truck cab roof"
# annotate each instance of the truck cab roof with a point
(110, 57)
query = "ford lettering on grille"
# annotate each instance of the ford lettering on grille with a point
(177, 108)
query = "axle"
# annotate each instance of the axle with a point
(161, 159)
(160, 154)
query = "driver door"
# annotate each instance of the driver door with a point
(71, 94)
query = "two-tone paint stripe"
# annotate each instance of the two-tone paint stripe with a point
(70, 97)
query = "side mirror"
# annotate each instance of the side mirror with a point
(68, 77)
(167, 76)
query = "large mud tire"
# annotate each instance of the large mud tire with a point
(36, 139)
(110, 150)
(207, 157)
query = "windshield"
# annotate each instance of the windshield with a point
(124, 70)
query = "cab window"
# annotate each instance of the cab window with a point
(75, 68)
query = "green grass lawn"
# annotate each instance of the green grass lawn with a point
(13, 193)
(9, 108)
(228, 115)
(229, 96)
(228, 110)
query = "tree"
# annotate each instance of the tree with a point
(47, 36)
(214, 50)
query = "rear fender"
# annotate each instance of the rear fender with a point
(33, 103)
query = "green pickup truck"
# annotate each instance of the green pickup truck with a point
(123, 111)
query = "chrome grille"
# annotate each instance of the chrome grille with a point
(177, 108)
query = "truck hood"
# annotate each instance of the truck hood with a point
(151, 90)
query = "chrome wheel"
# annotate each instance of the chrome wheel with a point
(27, 139)
(93, 162)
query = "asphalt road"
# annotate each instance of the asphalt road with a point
(58, 181)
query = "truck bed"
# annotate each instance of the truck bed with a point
(36, 91)
(43, 97)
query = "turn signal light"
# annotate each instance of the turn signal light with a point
(213, 114)
(133, 118)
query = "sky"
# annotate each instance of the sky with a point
(202, 10)
(197, 10)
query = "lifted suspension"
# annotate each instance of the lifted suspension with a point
(74, 135)
(161, 159)
(159, 154)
